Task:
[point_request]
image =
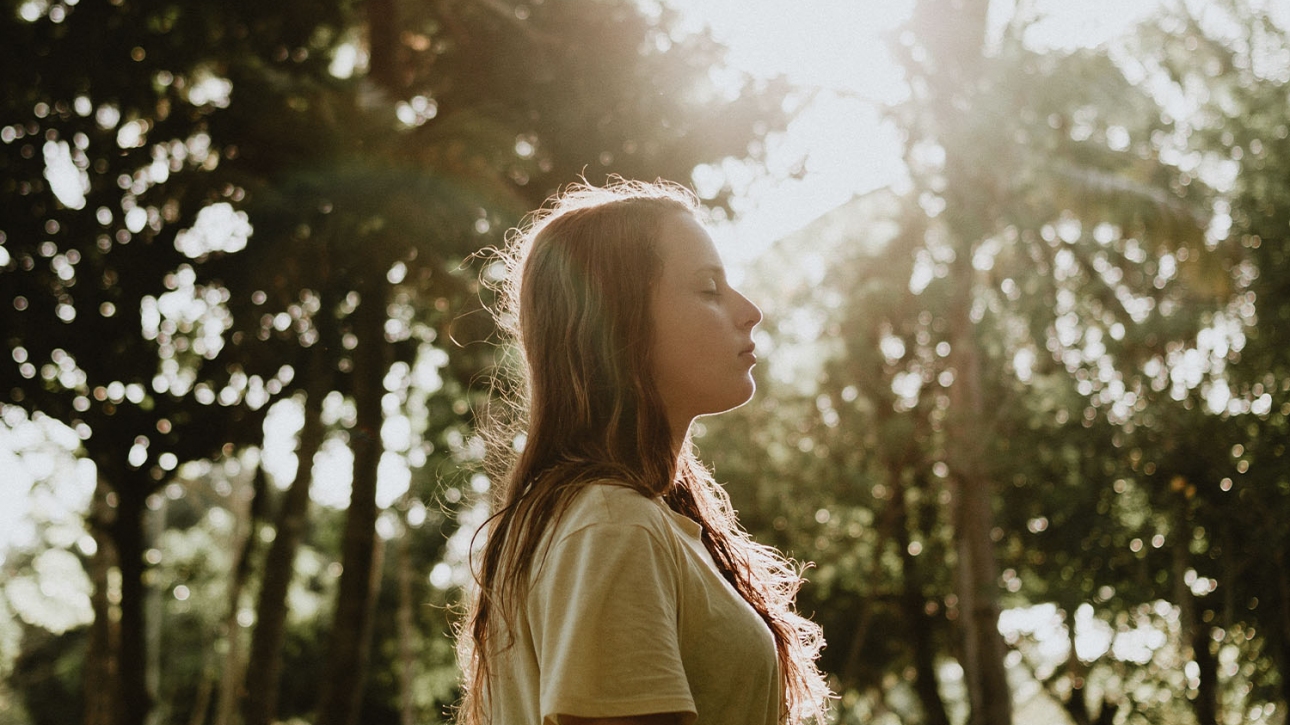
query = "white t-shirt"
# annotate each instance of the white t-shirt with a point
(627, 615)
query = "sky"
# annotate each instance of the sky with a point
(837, 49)
(833, 50)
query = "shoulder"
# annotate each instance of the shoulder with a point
(610, 503)
(607, 516)
(608, 526)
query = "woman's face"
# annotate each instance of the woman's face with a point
(702, 346)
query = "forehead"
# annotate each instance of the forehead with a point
(685, 246)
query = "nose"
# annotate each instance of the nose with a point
(750, 314)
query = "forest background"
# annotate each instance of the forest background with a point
(1026, 410)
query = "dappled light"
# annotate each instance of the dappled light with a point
(1024, 381)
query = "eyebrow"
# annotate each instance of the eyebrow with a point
(711, 268)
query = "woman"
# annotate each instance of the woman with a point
(615, 586)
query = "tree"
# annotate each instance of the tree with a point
(464, 116)
(104, 164)
(452, 136)
(1010, 169)
(1244, 495)
(1051, 234)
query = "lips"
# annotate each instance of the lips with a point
(749, 352)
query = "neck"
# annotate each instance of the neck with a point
(679, 435)
(680, 431)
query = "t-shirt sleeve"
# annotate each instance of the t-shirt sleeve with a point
(604, 608)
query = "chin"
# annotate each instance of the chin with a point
(732, 397)
(740, 399)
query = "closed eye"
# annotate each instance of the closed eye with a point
(711, 280)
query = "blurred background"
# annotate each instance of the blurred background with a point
(1026, 373)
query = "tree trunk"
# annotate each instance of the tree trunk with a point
(264, 670)
(1281, 645)
(1284, 647)
(101, 676)
(132, 659)
(154, 527)
(383, 44)
(202, 701)
(407, 630)
(1206, 703)
(346, 666)
(864, 618)
(248, 507)
(1195, 631)
(1076, 703)
(914, 604)
(973, 516)
(950, 35)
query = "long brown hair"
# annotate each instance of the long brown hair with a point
(576, 295)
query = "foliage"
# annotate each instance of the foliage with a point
(1114, 314)
(237, 203)
(239, 181)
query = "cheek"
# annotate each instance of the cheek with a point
(672, 333)
(688, 337)
(671, 351)
(680, 355)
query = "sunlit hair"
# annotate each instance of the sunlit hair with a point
(576, 294)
